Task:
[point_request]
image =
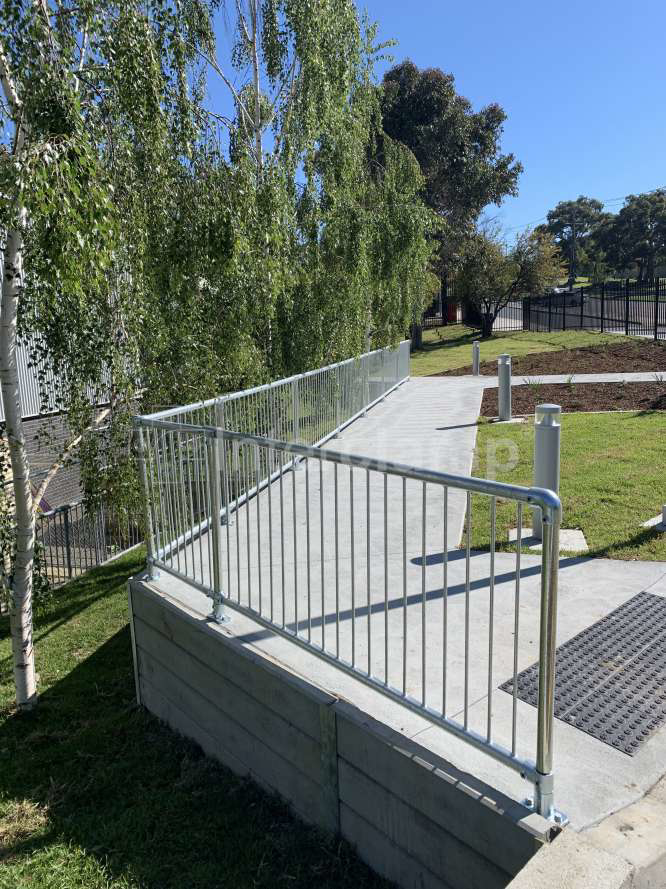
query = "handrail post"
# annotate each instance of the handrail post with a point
(338, 401)
(219, 422)
(153, 573)
(214, 470)
(296, 417)
(543, 788)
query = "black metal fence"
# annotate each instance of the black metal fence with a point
(629, 307)
(72, 540)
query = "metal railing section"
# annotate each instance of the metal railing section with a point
(309, 407)
(349, 557)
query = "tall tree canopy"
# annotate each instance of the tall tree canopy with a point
(637, 234)
(458, 149)
(157, 250)
(572, 224)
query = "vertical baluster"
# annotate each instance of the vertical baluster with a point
(337, 565)
(516, 627)
(293, 503)
(491, 615)
(353, 577)
(386, 602)
(423, 597)
(367, 559)
(445, 595)
(257, 473)
(321, 547)
(404, 586)
(307, 545)
(467, 589)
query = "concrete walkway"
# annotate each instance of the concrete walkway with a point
(526, 379)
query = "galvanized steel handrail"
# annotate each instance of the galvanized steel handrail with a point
(284, 535)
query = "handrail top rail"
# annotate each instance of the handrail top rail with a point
(543, 497)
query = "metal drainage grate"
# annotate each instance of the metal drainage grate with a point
(611, 678)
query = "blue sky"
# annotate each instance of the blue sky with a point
(583, 85)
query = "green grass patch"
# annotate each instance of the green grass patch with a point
(611, 480)
(96, 793)
(447, 348)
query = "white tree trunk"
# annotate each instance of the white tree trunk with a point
(20, 614)
(258, 146)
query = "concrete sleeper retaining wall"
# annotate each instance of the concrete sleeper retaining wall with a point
(411, 815)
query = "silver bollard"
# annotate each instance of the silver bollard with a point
(476, 358)
(504, 386)
(546, 455)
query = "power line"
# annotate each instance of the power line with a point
(605, 202)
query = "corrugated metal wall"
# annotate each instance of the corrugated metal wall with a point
(30, 389)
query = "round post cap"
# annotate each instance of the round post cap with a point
(548, 414)
(504, 359)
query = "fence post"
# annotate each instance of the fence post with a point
(148, 518)
(68, 549)
(550, 310)
(582, 301)
(564, 314)
(603, 303)
(626, 313)
(214, 469)
(544, 790)
(656, 309)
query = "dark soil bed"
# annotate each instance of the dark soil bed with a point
(631, 355)
(580, 397)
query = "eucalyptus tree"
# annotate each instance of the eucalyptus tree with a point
(458, 149)
(573, 224)
(74, 76)
(637, 233)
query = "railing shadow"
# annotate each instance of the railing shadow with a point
(412, 599)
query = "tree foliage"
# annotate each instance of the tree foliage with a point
(492, 275)
(458, 149)
(636, 235)
(634, 239)
(572, 224)
(157, 250)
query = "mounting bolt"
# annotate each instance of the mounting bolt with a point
(528, 802)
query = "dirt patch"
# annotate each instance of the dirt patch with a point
(631, 355)
(580, 397)
(20, 821)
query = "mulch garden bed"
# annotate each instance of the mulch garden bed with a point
(631, 355)
(580, 397)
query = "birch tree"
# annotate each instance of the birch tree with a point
(71, 74)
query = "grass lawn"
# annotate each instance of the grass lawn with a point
(446, 348)
(97, 794)
(611, 480)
